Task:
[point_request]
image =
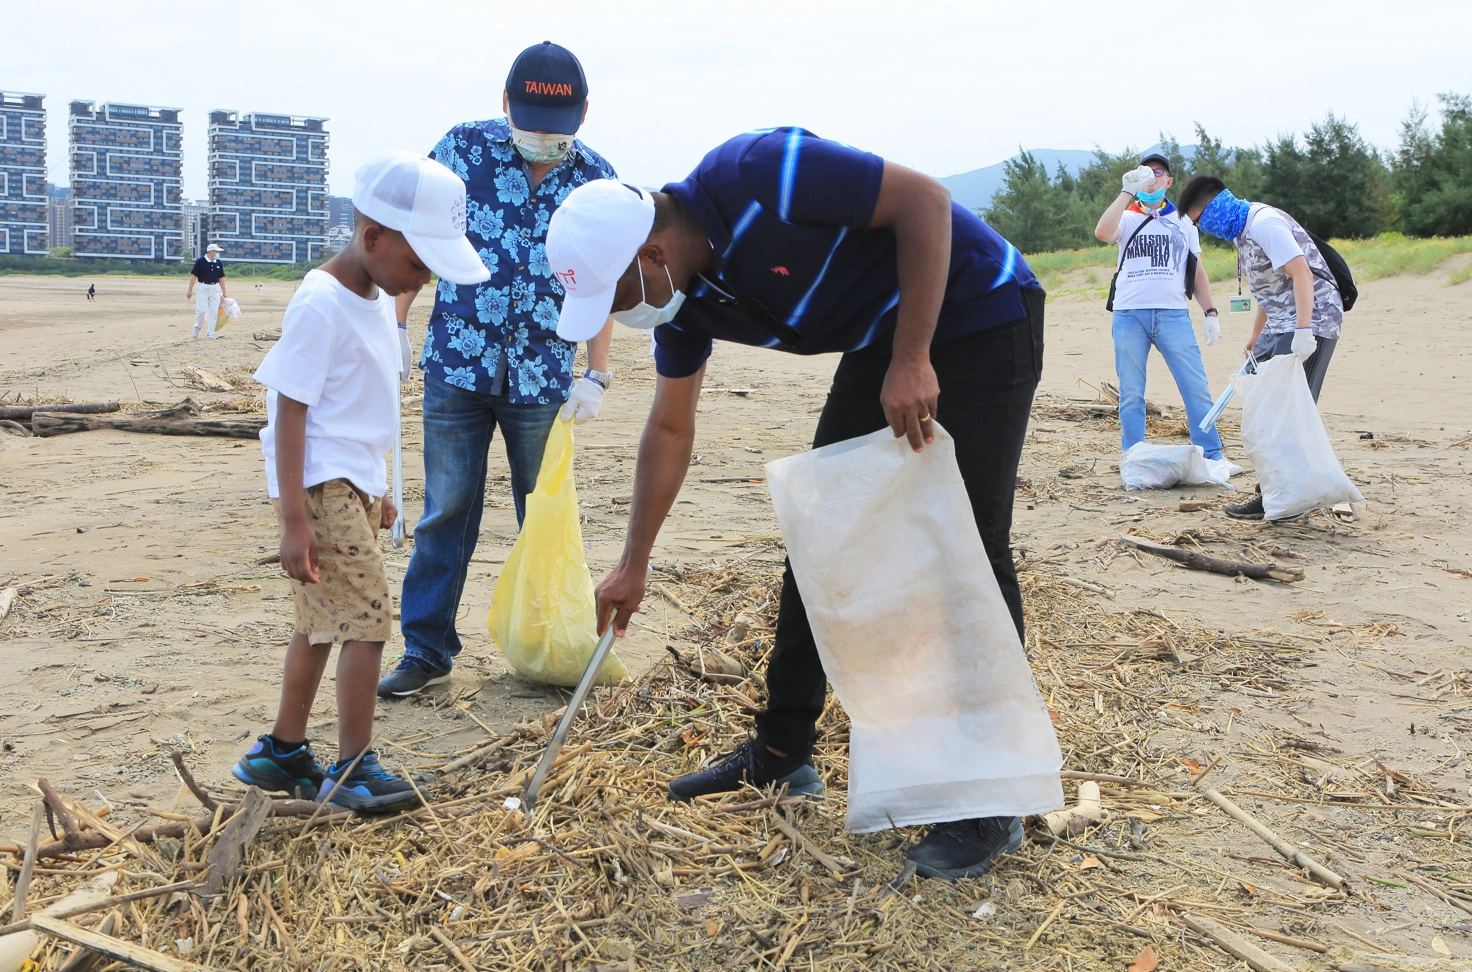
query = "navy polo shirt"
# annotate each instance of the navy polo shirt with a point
(208, 271)
(797, 267)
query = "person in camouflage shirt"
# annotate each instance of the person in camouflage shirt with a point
(1299, 308)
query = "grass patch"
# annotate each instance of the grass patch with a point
(13, 266)
(1391, 253)
(1382, 256)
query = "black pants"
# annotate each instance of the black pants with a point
(987, 382)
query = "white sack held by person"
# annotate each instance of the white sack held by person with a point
(1285, 439)
(1148, 466)
(914, 635)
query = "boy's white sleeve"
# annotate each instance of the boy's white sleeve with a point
(1275, 236)
(297, 366)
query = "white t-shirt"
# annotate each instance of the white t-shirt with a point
(1269, 240)
(1152, 274)
(339, 356)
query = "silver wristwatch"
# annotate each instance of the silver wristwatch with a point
(603, 378)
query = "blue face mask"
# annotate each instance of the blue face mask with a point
(1225, 216)
(1151, 198)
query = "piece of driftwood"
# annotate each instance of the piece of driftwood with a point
(205, 380)
(1216, 565)
(23, 413)
(266, 336)
(1319, 872)
(235, 837)
(1196, 506)
(1235, 945)
(181, 419)
(71, 911)
(74, 838)
(84, 958)
(23, 883)
(143, 958)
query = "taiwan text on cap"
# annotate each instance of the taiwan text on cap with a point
(593, 237)
(547, 90)
(426, 202)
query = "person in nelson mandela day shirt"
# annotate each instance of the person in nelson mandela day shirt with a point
(492, 358)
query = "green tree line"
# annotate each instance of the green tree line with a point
(1331, 180)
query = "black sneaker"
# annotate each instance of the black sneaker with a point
(293, 771)
(1248, 509)
(410, 678)
(370, 787)
(749, 763)
(966, 848)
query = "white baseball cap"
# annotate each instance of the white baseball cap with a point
(592, 239)
(426, 202)
(214, 248)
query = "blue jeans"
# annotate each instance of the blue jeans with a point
(1170, 331)
(458, 426)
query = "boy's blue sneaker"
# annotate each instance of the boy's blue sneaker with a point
(370, 787)
(293, 771)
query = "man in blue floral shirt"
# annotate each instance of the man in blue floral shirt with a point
(492, 356)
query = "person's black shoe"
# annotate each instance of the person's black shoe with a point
(966, 848)
(292, 771)
(749, 763)
(1248, 509)
(410, 678)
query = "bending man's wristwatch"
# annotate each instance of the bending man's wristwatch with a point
(603, 378)
(1212, 312)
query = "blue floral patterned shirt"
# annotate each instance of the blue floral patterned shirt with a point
(502, 334)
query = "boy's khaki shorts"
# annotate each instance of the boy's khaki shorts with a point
(352, 602)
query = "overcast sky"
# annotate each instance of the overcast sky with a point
(941, 86)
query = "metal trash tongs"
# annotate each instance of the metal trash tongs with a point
(559, 735)
(1249, 367)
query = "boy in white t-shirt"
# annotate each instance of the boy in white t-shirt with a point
(333, 411)
(1299, 307)
(1151, 293)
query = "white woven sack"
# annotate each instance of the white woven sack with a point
(914, 635)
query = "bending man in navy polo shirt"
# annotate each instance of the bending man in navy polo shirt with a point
(783, 240)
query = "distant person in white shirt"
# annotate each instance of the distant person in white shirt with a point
(1299, 307)
(333, 407)
(208, 278)
(1158, 270)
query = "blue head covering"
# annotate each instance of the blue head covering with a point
(1225, 216)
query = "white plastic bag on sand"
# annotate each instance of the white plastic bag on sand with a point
(1285, 438)
(914, 635)
(1147, 466)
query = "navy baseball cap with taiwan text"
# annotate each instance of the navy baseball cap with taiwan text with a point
(547, 90)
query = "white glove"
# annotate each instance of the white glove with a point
(1137, 179)
(1304, 343)
(1211, 329)
(583, 401)
(406, 354)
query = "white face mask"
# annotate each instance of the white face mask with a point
(644, 317)
(536, 147)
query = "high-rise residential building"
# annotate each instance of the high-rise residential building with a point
(340, 211)
(127, 181)
(59, 215)
(268, 186)
(23, 207)
(196, 226)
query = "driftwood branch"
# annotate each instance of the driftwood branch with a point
(1235, 945)
(102, 904)
(181, 419)
(235, 837)
(10, 424)
(137, 955)
(1216, 565)
(23, 413)
(200, 793)
(1319, 872)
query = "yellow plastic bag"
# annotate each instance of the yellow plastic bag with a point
(227, 312)
(542, 611)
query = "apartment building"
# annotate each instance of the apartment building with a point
(23, 204)
(268, 194)
(127, 181)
